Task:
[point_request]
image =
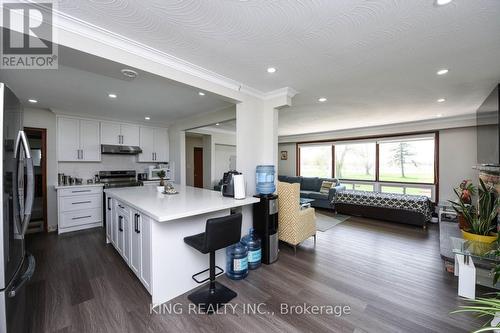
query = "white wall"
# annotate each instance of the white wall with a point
(224, 154)
(40, 118)
(457, 156)
(287, 167)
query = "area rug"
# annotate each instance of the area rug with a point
(325, 222)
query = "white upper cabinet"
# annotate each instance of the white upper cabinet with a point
(89, 140)
(154, 144)
(110, 133)
(119, 134)
(147, 143)
(161, 145)
(130, 135)
(68, 139)
(78, 140)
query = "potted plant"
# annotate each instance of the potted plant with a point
(481, 222)
(464, 192)
(484, 307)
(162, 174)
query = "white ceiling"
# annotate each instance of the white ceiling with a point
(82, 83)
(375, 60)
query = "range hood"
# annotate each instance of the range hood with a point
(124, 150)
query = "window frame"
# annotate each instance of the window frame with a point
(434, 186)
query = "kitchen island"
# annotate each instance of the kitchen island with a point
(148, 228)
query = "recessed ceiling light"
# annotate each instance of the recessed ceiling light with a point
(442, 71)
(112, 96)
(147, 118)
(32, 101)
(271, 70)
(443, 2)
(217, 124)
(441, 100)
(201, 93)
(439, 115)
(322, 99)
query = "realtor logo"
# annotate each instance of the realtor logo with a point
(28, 36)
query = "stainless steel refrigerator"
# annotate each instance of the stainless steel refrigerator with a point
(17, 192)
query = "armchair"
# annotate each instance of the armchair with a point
(295, 225)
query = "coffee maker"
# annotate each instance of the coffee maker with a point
(227, 187)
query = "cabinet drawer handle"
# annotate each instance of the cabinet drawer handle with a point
(81, 217)
(109, 203)
(120, 226)
(136, 223)
(121, 206)
(80, 191)
(81, 202)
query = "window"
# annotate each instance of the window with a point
(407, 161)
(316, 161)
(404, 189)
(403, 165)
(355, 161)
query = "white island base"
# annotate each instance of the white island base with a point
(148, 228)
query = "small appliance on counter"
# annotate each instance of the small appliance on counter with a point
(228, 181)
(265, 223)
(142, 176)
(153, 170)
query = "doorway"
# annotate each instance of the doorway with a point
(198, 167)
(37, 138)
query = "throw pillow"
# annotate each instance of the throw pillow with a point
(326, 186)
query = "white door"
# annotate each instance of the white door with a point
(161, 145)
(130, 135)
(146, 142)
(89, 140)
(135, 241)
(110, 133)
(145, 232)
(68, 139)
(126, 238)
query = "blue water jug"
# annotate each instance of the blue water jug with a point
(252, 241)
(264, 179)
(237, 261)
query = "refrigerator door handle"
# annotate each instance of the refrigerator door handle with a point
(25, 277)
(25, 204)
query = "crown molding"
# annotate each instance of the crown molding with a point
(282, 92)
(465, 120)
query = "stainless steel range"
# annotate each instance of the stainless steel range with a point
(113, 179)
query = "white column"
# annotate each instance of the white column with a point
(257, 138)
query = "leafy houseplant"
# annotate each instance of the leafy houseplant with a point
(481, 221)
(162, 174)
(484, 307)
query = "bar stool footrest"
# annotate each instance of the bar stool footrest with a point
(208, 278)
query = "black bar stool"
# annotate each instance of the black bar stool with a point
(219, 233)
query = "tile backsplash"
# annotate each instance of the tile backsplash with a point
(87, 170)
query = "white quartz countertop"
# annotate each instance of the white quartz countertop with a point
(57, 187)
(190, 201)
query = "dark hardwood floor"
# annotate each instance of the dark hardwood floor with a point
(391, 277)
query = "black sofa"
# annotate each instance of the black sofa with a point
(310, 189)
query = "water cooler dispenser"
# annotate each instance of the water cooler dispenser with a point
(265, 223)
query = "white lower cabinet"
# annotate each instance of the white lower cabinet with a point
(130, 233)
(78, 207)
